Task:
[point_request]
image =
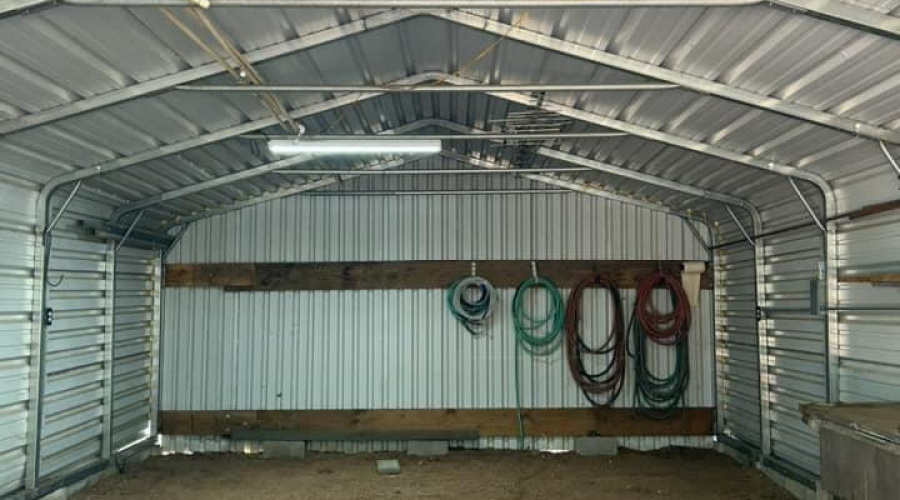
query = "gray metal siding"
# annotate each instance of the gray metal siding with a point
(99, 368)
(396, 349)
(75, 363)
(737, 343)
(796, 345)
(136, 344)
(868, 345)
(786, 350)
(16, 282)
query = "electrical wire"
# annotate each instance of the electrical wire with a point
(472, 314)
(658, 396)
(535, 334)
(607, 383)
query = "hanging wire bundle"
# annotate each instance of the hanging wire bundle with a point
(603, 387)
(472, 313)
(658, 396)
(536, 334)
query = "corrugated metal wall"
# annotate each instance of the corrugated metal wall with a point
(796, 343)
(785, 354)
(16, 282)
(76, 361)
(737, 342)
(83, 381)
(136, 345)
(869, 344)
(396, 349)
(76, 364)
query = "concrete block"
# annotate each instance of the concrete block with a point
(284, 449)
(387, 467)
(594, 446)
(427, 448)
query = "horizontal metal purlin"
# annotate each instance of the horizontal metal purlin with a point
(435, 89)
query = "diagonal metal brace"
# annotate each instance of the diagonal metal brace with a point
(740, 226)
(130, 229)
(62, 209)
(697, 235)
(809, 208)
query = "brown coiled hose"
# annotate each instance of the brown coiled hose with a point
(662, 328)
(601, 388)
(658, 395)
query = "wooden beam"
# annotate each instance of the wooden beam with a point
(871, 210)
(486, 422)
(875, 279)
(407, 275)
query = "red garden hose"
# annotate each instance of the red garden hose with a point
(658, 395)
(662, 328)
(603, 387)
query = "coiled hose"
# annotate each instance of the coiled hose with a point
(535, 334)
(472, 314)
(600, 388)
(658, 396)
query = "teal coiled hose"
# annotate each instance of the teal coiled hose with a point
(536, 333)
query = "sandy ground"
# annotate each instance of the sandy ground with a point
(669, 474)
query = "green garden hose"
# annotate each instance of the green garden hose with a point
(536, 334)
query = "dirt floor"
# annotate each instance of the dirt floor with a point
(671, 474)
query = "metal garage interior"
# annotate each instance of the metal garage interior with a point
(759, 138)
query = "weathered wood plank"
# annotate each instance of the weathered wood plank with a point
(883, 279)
(406, 275)
(486, 422)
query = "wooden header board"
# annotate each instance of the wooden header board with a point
(485, 422)
(408, 275)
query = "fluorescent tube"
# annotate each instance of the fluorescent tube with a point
(283, 147)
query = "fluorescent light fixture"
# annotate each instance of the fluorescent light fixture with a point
(287, 147)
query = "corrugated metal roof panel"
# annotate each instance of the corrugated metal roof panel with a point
(386, 54)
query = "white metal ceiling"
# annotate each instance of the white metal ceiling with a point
(85, 86)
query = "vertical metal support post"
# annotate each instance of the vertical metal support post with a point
(109, 350)
(37, 366)
(713, 313)
(762, 333)
(832, 299)
(156, 342)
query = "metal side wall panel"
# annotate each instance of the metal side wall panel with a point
(76, 348)
(737, 343)
(869, 347)
(17, 221)
(398, 348)
(135, 343)
(796, 361)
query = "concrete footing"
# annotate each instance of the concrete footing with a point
(387, 467)
(596, 446)
(427, 448)
(284, 449)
